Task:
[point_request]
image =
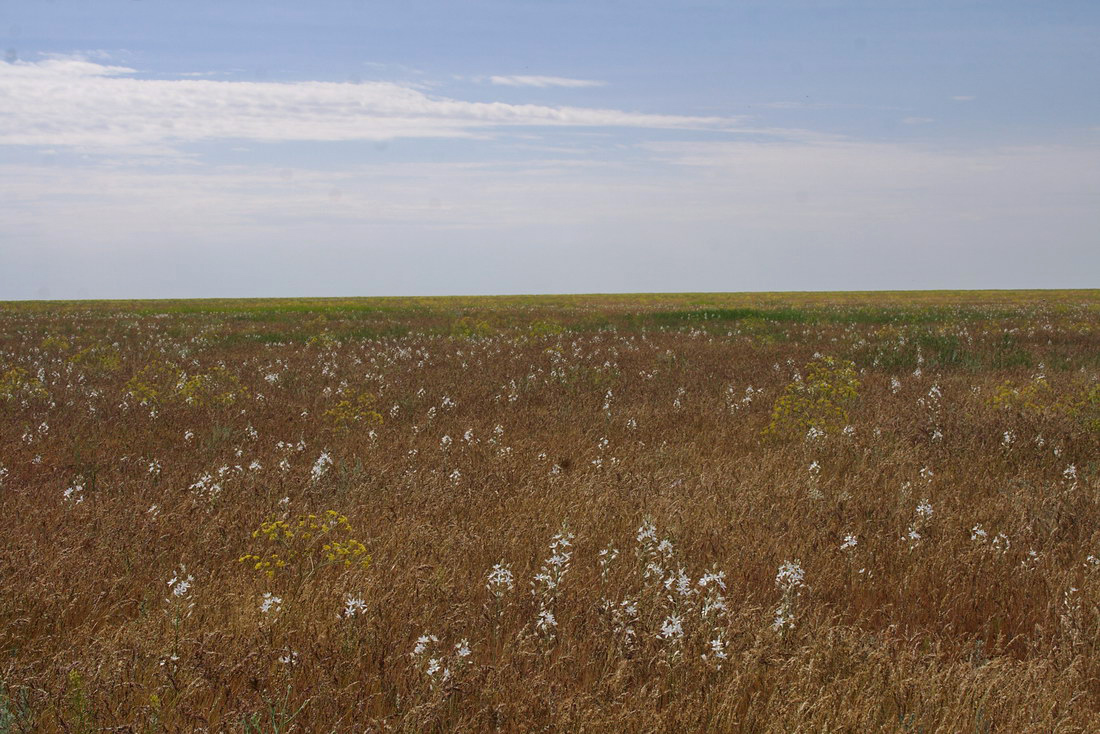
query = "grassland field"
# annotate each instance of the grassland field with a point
(782, 512)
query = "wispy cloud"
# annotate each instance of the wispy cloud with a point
(73, 102)
(795, 105)
(756, 214)
(544, 81)
(917, 120)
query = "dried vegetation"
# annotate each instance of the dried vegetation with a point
(772, 513)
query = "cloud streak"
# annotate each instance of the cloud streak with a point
(69, 102)
(544, 81)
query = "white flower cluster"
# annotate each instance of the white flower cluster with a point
(790, 580)
(321, 466)
(546, 584)
(439, 669)
(500, 581)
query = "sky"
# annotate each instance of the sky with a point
(154, 149)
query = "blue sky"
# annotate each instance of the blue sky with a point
(154, 149)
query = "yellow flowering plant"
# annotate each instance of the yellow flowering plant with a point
(820, 400)
(98, 358)
(153, 383)
(219, 386)
(355, 407)
(299, 547)
(17, 382)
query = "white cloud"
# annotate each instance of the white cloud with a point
(69, 102)
(917, 120)
(795, 105)
(821, 187)
(544, 81)
(673, 216)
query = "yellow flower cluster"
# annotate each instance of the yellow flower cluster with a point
(17, 381)
(356, 407)
(305, 544)
(545, 328)
(154, 381)
(325, 340)
(820, 400)
(1037, 398)
(347, 552)
(219, 386)
(470, 328)
(98, 358)
(55, 342)
(1026, 398)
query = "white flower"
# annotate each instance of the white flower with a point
(790, 575)
(188, 435)
(672, 628)
(180, 585)
(546, 621)
(679, 582)
(978, 533)
(74, 494)
(422, 644)
(709, 578)
(716, 651)
(850, 541)
(500, 580)
(321, 466)
(353, 606)
(271, 603)
(789, 580)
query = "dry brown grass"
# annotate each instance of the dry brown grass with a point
(948, 634)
